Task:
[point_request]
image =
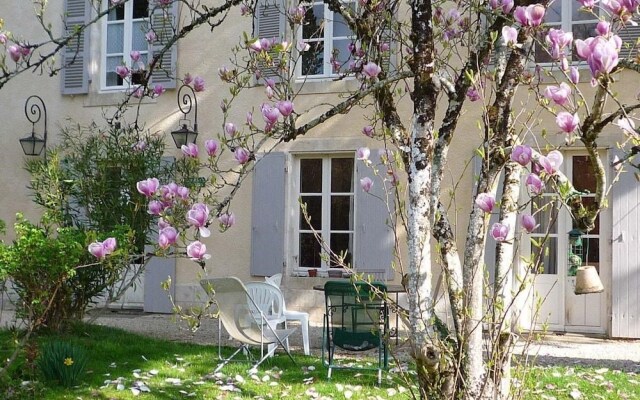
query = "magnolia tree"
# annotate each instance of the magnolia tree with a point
(419, 70)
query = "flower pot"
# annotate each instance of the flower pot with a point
(588, 281)
(313, 272)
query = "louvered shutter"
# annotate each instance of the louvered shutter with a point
(629, 35)
(75, 76)
(269, 23)
(268, 215)
(374, 235)
(164, 22)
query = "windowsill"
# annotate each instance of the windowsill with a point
(321, 273)
(325, 85)
(108, 98)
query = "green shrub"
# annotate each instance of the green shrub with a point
(62, 362)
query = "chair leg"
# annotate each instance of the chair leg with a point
(227, 360)
(304, 322)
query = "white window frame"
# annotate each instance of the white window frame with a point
(128, 23)
(326, 194)
(328, 39)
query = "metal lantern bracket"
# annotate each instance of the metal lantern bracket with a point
(34, 110)
(186, 102)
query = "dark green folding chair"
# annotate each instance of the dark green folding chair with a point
(356, 319)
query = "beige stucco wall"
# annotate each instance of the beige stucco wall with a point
(201, 55)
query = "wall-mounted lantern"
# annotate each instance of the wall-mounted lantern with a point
(184, 134)
(34, 109)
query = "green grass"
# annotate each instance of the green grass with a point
(173, 370)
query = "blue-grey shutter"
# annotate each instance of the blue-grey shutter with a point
(374, 235)
(75, 75)
(268, 215)
(625, 268)
(157, 271)
(629, 35)
(269, 23)
(164, 22)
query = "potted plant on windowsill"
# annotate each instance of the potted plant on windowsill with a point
(313, 272)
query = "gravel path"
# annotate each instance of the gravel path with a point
(569, 349)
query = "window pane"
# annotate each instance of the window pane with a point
(116, 14)
(140, 9)
(554, 12)
(342, 213)
(340, 27)
(314, 213)
(313, 59)
(342, 175)
(548, 256)
(314, 22)
(138, 41)
(591, 253)
(341, 246)
(341, 54)
(582, 31)
(579, 13)
(311, 175)
(583, 177)
(115, 38)
(545, 211)
(113, 79)
(309, 251)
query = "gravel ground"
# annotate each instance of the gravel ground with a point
(569, 349)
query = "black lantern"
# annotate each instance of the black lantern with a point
(34, 109)
(183, 134)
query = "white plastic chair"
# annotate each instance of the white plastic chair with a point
(243, 320)
(269, 302)
(290, 315)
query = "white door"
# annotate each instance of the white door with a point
(558, 308)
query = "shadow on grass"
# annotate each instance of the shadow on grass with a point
(174, 370)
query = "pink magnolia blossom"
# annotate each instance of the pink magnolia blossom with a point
(509, 35)
(197, 251)
(249, 119)
(567, 122)
(384, 47)
(97, 250)
(366, 183)
(559, 94)
(155, 207)
(270, 115)
(558, 40)
(302, 46)
(531, 15)
(3, 38)
(245, 10)
(505, 5)
(528, 223)
(473, 94)
(139, 146)
(627, 125)
(190, 150)
(603, 28)
(600, 53)
(167, 237)
(135, 56)
(588, 3)
(212, 146)
(371, 70)
(168, 192)
(574, 75)
(198, 84)
(499, 232)
(368, 131)
(555, 160)
(158, 90)
(138, 92)
(183, 192)
(485, 202)
(285, 107)
(227, 220)
(14, 52)
(363, 153)
(198, 217)
(534, 184)
(241, 155)
(187, 79)
(521, 154)
(151, 36)
(270, 82)
(297, 14)
(123, 71)
(148, 186)
(109, 245)
(230, 129)
(269, 92)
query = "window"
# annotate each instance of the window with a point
(546, 209)
(326, 191)
(328, 37)
(124, 29)
(569, 16)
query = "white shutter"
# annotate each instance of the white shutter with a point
(164, 22)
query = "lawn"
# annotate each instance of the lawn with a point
(122, 365)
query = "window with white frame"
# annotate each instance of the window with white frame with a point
(328, 37)
(124, 28)
(570, 16)
(325, 188)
